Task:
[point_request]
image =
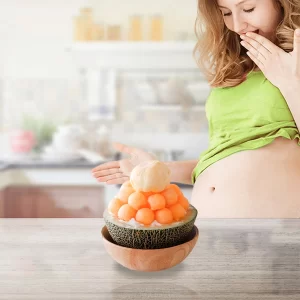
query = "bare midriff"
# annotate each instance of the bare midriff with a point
(261, 183)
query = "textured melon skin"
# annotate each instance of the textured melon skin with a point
(146, 238)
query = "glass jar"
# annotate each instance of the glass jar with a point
(113, 32)
(78, 29)
(99, 32)
(86, 13)
(135, 28)
(156, 28)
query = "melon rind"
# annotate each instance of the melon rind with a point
(150, 237)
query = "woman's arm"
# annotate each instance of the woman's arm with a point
(291, 93)
(181, 171)
(118, 172)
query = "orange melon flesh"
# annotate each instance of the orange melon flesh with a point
(166, 207)
(145, 216)
(164, 216)
(126, 184)
(177, 189)
(184, 202)
(157, 201)
(178, 211)
(125, 191)
(137, 200)
(170, 195)
(114, 206)
(126, 212)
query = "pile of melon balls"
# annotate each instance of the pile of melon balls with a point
(148, 196)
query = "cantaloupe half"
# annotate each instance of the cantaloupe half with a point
(150, 237)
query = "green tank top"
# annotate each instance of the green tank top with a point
(245, 117)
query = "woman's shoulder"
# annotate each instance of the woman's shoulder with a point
(254, 72)
(245, 78)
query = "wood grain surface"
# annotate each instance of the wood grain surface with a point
(66, 259)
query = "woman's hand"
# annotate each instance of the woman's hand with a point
(117, 172)
(279, 67)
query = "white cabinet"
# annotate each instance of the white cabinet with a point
(52, 202)
(102, 63)
(51, 193)
(120, 56)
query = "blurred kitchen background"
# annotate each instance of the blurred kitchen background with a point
(76, 76)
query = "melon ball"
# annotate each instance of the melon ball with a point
(137, 200)
(126, 212)
(164, 216)
(176, 188)
(184, 202)
(114, 206)
(170, 196)
(125, 191)
(126, 184)
(178, 211)
(145, 216)
(150, 176)
(157, 201)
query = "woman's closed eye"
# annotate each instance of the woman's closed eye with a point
(245, 10)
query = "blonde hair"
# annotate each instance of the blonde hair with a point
(218, 52)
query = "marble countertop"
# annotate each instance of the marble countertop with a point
(39, 164)
(37, 172)
(233, 259)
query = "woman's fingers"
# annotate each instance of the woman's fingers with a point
(111, 177)
(120, 180)
(105, 166)
(106, 172)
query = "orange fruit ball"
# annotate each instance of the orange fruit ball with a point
(176, 188)
(164, 216)
(114, 206)
(170, 196)
(184, 202)
(126, 212)
(137, 200)
(145, 216)
(157, 201)
(178, 211)
(126, 184)
(125, 191)
(147, 194)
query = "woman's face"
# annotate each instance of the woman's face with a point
(241, 16)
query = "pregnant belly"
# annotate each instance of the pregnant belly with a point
(261, 183)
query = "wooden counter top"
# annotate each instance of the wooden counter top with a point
(233, 259)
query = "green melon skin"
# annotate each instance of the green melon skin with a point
(149, 237)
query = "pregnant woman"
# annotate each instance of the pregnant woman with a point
(250, 53)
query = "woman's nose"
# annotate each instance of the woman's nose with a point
(239, 25)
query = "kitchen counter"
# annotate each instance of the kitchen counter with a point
(39, 169)
(233, 259)
(47, 173)
(44, 164)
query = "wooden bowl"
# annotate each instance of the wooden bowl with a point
(149, 260)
